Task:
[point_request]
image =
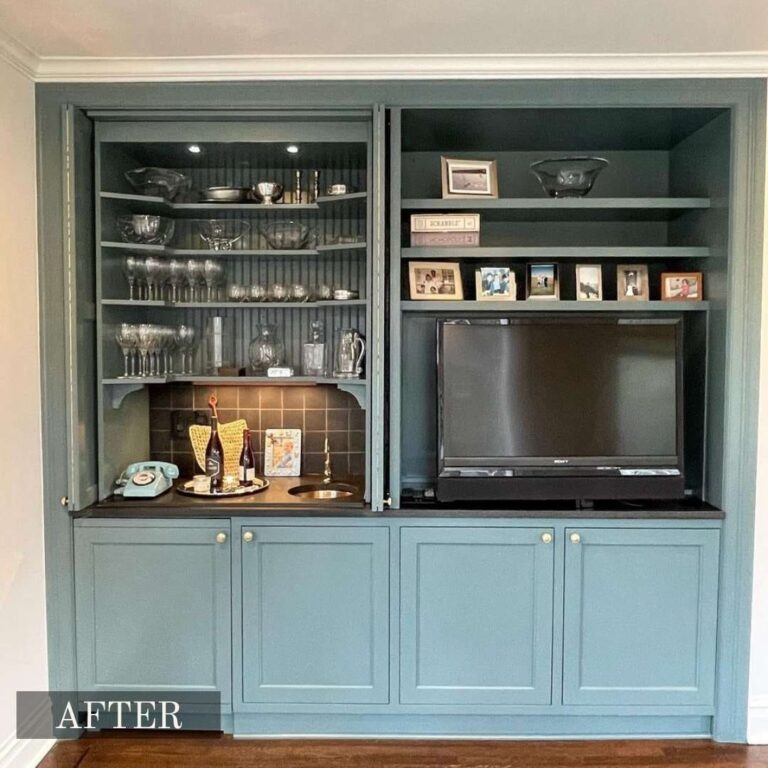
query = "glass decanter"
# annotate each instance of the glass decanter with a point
(265, 350)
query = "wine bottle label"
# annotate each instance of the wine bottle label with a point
(247, 475)
(212, 466)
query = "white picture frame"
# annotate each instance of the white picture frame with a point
(282, 453)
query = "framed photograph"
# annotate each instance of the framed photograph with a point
(589, 282)
(282, 453)
(469, 178)
(543, 282)
(681, 286)
(435, 280)
(632, 282)
(495, 284)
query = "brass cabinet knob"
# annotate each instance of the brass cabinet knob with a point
(221, 537)
(248, 536)
(64, 501)
(546, 538)
(575, 538)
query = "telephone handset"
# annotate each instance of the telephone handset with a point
(146, 479)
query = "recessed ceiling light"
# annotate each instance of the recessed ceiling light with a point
(195, 149)
(292, 149)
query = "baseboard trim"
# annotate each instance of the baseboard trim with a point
(23, 753)
(757, 720)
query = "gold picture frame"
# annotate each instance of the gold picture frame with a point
(469, 178)
(682, 286)
(435, 281)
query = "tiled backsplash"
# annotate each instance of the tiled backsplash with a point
(316, 411)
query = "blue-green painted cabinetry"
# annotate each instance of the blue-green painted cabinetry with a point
(476, 615)
(153, 603)
(314, 614)
(640, 616)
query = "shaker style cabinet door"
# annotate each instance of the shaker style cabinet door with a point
(315, 614)
(476, 615)
(640, 616)
(154, 607)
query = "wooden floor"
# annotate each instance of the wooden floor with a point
(209, 751)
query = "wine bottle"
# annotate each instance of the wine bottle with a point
(214, 453)
(247, 461)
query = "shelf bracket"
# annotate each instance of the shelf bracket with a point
(354, 388)
(118, 392)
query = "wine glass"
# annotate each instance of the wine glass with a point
(130, 271)
(145, 334)
(154, 270)
(213, 272)
(186, 339)
(127, 337)
(258, 293)
(278, 292)
(177, 277)
(195, 276)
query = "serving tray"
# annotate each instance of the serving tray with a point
(259, 484)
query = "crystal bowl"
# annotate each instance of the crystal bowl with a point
(222, 234)
(159, 182)
(286, 235)
(568, 176)
(142, 229)
(267, 192)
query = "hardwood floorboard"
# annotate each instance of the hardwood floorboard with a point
(207, 751)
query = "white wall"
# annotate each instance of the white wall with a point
(23, 662)
(758, 674)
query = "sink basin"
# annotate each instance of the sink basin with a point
(324, 491)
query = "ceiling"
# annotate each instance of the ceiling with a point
(44, 30)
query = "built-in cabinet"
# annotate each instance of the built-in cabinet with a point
(530, 614)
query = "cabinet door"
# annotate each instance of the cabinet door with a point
(476, 615)
(640, 616)
(154, 607)
(315, 614)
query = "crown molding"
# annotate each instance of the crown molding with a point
(423, 67)
(18, 56)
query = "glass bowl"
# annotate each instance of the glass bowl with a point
(568, 176)
(159, 182)
(286, 235)
(222, 234)
(146, 230)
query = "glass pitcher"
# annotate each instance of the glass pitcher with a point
(265, 351)
(350, 350)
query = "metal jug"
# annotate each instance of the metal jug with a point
(350, 350)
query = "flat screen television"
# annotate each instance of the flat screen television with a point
(558, 408)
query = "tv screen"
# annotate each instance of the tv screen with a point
(559, 392)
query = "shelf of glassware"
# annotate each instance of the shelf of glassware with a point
(154, 204)
(138, 303)
(166, 250)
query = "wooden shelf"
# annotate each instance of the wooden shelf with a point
(565, 209)
(557, 253)
(233, 304)
(546, 305)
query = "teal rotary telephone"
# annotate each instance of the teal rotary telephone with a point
(146, 479)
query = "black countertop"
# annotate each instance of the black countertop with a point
(275, 501)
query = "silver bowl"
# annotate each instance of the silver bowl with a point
(142, 229)
(267, 192)
(568, 176)
(158, 182)
(226, 194)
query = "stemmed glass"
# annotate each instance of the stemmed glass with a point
(130, 270)
(177, 277)
(213, 272)
(155, 269)
(195, 276)
(186, 339)
(128, 338)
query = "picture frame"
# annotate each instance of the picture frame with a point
(682, 286)
(469, 178)
(543, 282)
(435, 281)
(589, 282)
(282, 453)
(632, 282)
(495, 284)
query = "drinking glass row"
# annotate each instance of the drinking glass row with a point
(188, 279)
(149, 348)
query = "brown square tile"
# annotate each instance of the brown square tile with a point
(271, 419)
(201, 395)
(293, 397)
(315, 397)
(312, 463)
(339, 442)
(271, 398)
(161, 456)
(357, 464)
(186, 464)
(314, 442)
(182, 396)
(159, 441)
(356, 441)
(314, 420)
(338, 419)
(339, 399)
(228, 397)
(293, 419)
(226, 415)
(250, 397)
(160, 419)
(252, 418)
(340, 465)
(356, 418)
(159, 396)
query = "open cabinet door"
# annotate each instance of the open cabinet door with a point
(80, 285)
